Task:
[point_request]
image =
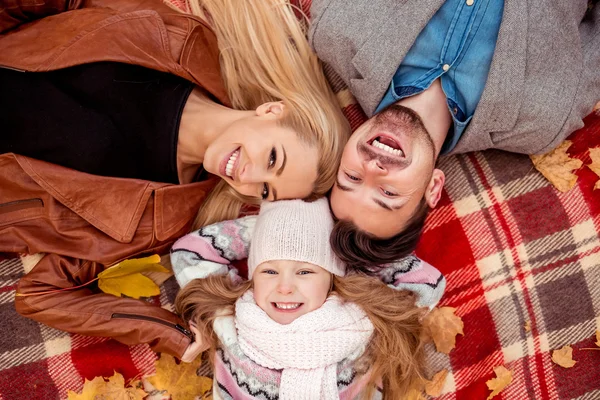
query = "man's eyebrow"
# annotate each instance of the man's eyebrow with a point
(342, 187)
(385, 206)
(282, 164)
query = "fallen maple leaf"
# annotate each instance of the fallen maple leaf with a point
(442, 325)
(434, 387)
(595, 165)
(126, 278)
(564, 357)
(500, 382)
(113, 389)
(556, 166)
(180, 380)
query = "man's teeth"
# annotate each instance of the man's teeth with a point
(287, 306)
(385, 147)
(231, 162)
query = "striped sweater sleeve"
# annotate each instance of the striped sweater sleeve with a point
(211, 249)
(412, 273)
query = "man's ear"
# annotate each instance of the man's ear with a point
(271, 109)
(433, 192)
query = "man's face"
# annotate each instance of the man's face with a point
(386, 169)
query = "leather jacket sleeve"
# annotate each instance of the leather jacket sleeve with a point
(16, 12)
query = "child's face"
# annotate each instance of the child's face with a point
(285, 290)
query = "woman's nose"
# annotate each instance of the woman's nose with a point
(284, 286)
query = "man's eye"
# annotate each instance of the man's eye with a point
(265, 191)
(352, 177)
(272, 158)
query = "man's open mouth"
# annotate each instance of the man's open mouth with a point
(387, 144)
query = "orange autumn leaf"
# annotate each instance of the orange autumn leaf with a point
(595, 165)
(434, 387)
(180, 380)
(564, 357)
(500, 382)
(442, 325)
(113, 389)
(557, 166)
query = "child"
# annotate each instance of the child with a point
(299, 329)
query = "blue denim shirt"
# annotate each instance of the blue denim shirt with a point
(457, 44)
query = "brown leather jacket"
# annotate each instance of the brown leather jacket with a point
(87, 222)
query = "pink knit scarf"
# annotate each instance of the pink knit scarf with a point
(308, 349)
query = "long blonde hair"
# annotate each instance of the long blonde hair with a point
(265, 57)
(394, 357)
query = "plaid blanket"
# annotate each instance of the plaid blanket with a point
(514, 250)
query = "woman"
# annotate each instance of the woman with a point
(281, 138)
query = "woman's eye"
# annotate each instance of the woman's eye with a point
(265, 191)
(352, 177)
(269, 272)
(272, 157)
(388, 193)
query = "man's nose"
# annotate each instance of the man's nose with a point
(375, 166)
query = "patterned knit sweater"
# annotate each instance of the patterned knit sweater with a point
(212, 249)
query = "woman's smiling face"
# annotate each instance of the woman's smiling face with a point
(286, 290)
(261, 159)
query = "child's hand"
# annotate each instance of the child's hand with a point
(196, 347)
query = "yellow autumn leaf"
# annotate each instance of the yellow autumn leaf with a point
(113, 389)
(442, 325)
(564, 357)
(180, 380)
(595, 165)
(126, 277)
(434, 387)
(557, 166)
(500, 382)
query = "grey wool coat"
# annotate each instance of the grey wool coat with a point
(544, 77)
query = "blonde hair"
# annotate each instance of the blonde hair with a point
(394, 357)
(265, 57)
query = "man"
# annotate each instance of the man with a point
(443, 77)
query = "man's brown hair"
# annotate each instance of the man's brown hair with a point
(364, 252)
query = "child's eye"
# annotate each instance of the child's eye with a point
(304, 272)
(269, 271)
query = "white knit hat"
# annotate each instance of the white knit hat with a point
(294, 230)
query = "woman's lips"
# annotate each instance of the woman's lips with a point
(292, 307)
(223, 165)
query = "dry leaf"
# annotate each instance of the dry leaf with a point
(564, 357)
(556, 166)
(598, 338)
(434, 387)
(595, 165)
(501, 381)
(180, 380)
(442, 325)
(126, 278)
(527, 326)
(113, 389)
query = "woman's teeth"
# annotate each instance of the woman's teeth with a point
(385, 147)
(288, 306)
(231, 162)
